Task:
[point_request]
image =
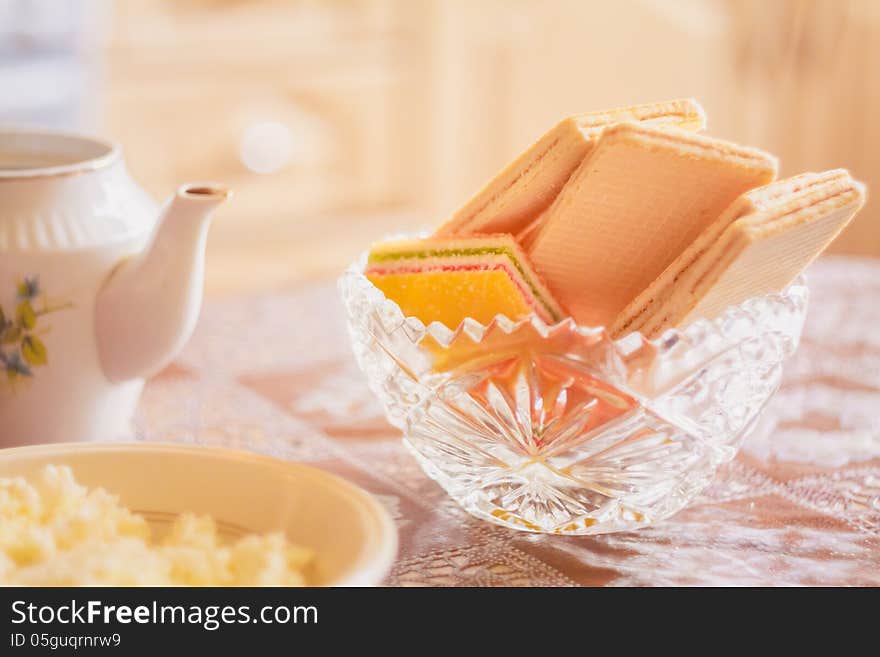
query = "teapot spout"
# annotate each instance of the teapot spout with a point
(148, 307)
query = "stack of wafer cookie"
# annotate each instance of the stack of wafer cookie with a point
(529, 184)
(631, 220)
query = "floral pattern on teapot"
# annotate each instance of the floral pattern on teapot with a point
(21, 349)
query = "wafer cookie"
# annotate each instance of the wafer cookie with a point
(640, 311)
(528, 185)
(758, 254)
(631, 208)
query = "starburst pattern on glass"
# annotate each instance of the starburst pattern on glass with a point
(560, 429)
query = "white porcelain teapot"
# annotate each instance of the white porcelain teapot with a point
(99, 289)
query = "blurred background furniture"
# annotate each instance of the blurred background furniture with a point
(50, 60)
(339, 121)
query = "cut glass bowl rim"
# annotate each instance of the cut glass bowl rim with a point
(416, 330)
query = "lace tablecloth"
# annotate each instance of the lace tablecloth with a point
(274, 373)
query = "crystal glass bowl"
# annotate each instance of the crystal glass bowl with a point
(561, 429)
